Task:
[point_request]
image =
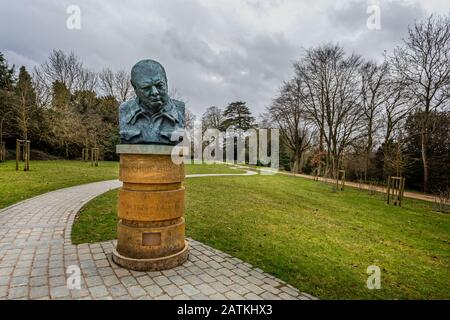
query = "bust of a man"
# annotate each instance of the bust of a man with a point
(152, 117)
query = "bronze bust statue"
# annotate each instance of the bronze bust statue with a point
(152, 117)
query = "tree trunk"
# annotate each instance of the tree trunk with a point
(384, 169)
(297, 166)
(424, 145)
(366, 164)
(319, 169)
(368, 152)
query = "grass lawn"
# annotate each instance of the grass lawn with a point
(46, 176)
(300, 231)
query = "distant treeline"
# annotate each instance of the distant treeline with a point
(373, 120)
(339, 111)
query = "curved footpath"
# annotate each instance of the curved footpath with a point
(36, 250)
(356, 185)
(364, 186)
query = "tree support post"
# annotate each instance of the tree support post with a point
(2, 151)
(23, 152)
(395, 190)
(95, 152)
(17, 154)
(85, 154)
(341, 179)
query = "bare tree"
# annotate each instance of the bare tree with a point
(397, 106)
(123, 85)
(423, 64)
(374, 80)
(331, 97)
(43, 90)
(68, 128)
(116, 84)
(25, 107)
(106, 82)
(67, 125)
(395, 157)
(189, 119)
(212, 118)
(62, 67)
(289, 114)
(88, 80)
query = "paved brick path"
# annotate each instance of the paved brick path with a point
(36, 249)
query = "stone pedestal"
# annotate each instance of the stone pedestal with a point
(151, 228)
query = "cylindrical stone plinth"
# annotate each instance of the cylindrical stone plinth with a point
(151, 229)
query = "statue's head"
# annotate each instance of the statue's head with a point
(149, 81)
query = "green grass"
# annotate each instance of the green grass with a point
(300, 231)
(97, 220)
(46, 176)
(211, 168)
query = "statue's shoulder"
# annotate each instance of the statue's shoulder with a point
(129, 105)
(127, 110)
(180, 109)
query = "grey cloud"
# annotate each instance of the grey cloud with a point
(214, 52)
(349, 23)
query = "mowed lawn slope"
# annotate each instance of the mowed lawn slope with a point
(300, 231)
(45, 176)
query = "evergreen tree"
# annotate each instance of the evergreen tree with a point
(6, 96)
(237, 115)
(60, 96)
(25, 87)
(6, 74)
(67, 129)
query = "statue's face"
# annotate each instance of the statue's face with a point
(151, 89)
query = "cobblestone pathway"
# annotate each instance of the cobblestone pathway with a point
(36, 250)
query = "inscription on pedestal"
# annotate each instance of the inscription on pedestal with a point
(151, 169)
(151, 205)
(151, 239)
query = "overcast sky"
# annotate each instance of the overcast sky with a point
(214, 51)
